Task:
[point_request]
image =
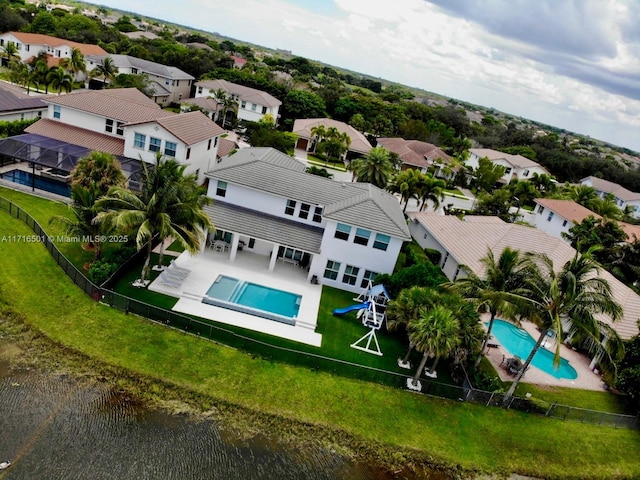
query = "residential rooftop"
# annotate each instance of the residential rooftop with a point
(517, 161)
(359, 143)
(414, 152)
(41, 39)
(615, 189)
(13, 99)
(244, 93)
(146, 66)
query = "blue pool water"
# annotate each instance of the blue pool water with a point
(256, 297)
(46, 184)
(518, 342)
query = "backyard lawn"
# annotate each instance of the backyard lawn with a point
(471, 436)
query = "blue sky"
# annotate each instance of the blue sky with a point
(574, 64)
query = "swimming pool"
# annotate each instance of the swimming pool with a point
(518, 342)
(254, 299)
(26, 178)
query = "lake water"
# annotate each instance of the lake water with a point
(58, 427)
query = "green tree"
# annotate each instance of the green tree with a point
(628, 378)
(431, 189)
(487, 174)
(9, 52)
(592, 232)
(496, 203)
(227, 103)
(375, 168)
(582, 194)
(334, 144)
(358, 122)
(105, 70)
(499, 290)
(435, 334)
(140, 81)
(407, 184)
(59, 79)
(302, 104)
(100, 170)
(166, 207)
(319, 171)
(568, 303)
(75, 63)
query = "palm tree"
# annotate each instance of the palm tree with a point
(431, 188)
(407, 184)
(75, 63)
(406, 308)
(567, 302)
(39, 75)
(99, 169)
(435, 334)
(319, 132)
(584, 195)
(9, 52)
(501, 289)
(106, 70)
(376, 168)
(82, 223)
(60, 79)
(164, 208)
(226, 101)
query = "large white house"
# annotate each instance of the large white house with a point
(169, 84)
(124, 122)
(308, 141)
(253, 104)
(624, 198)
(517, 167)
(465, 242)
(344, 234)
(30, 45)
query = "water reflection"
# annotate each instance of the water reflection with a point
(56, 427)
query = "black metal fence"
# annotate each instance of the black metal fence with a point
(217, 333)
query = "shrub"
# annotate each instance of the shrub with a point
(433, 255)
(101, 270)
(421, 275)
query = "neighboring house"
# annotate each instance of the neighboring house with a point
(302, 127)
(30, 45)
(17, 105)
(343, 233)
(624, 198)
(556, 217)
(209, 106)
(253, 104)
(467, 241)
(126, 123)
(140, 34)
(517, 166)
(170, 84)
(238, 62)
(422, 156)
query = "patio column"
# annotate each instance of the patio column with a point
(274, 257)
(234, 247)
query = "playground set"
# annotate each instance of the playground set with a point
(372, 308)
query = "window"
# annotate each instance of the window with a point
(369, 276)
(331, 270)
(455, 275)
(27, 48)
(317, 215)
(381, 242)
(252, 243)
(134, 71)
(215, 142)
(350, 275)
(550, 216)
(166, 82)
(564, 224)
(304, 210)
(525, 173)
(508, 170)
(221, 191)
(342, 231)
(362, 236)
(209, 145)
(109, 126)
(139, 140)
(264, 110)
(177, 83)
(199, 90)
(56, 111)
(119, 128)
(243, 104)
(253, 107)
(170, 149)
(154, 144)
(540, 209)
(446, 257)
(290, 208)
(188, 153)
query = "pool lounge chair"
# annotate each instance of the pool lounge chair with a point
(168, 281)
(177, 274)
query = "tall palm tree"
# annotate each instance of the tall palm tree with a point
(500, 290)
(39, 75)
(226, 101)
(319, 133)
(170, 209)
(375, 168)
(431, 188)
(99, 169)
(568, 303)
(435, 334)
(407, 184)
(105, 70)
(9, 52)
(60, 79)
(75, 63)
(583, 194)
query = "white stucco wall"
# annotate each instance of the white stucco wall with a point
(23, 115)
(449, 265)
(554, 226)
(32, 50)
(82, 119)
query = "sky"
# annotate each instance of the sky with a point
(573, 64)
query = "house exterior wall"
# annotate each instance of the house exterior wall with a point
(26, 51)
(511, 173)
(550, 222)
(200, 159)
(449, 265)
(247, 110)
(23, 115)
(81, 119)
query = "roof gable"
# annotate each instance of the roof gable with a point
(190, 128)
(41, 39)
(244, 93)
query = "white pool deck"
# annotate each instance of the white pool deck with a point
(587, 379)
(205, 268)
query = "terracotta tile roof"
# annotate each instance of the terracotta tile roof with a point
(208, 104)
(414, 152)
(40, 39)
(359, 143)
(244, 93)
(225, 147)
(77, 136)
(191, 127)
(567, 209)
(468, 240)
(127, 105)
(606, 187)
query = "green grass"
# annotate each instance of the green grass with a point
(454, 192)
(318, 162)
(471, 436)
